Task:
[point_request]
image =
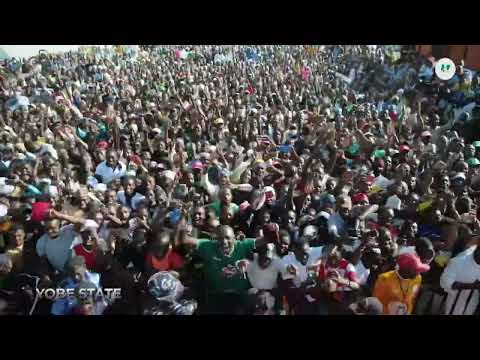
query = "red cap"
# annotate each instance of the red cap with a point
(40, 211)
(404, 148)
(102, 145)
(197, 165)
(359, 197)
(426, 134)
(136, 159)
(411, 261)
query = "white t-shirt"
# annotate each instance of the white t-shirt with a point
(108, 174)
(264, 279)
(315, 254)
(461, 268)
(362, 273)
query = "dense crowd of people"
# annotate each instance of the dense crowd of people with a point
(266, 180)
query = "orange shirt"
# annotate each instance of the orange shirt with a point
(397, 295)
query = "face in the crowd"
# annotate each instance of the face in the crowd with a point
(334, 258)
(284, 243)
(371, 259)
(387, 244)
(426, 253)
(330, 185)
(226, 240)
(442, 143)
(99, 218)
(266, 217)
(413, 200)
(89, 238)
(412, 230)
(111, 158)
(344, 211)
(161, 245)
(246, 177)
(129, 186)
(223, 179)
(385, 217)
(150, 183)
(101, 155)
(301, 252)
(86, 309)
(469, 151)
(18, 237)
(25, 173)
(111, 197)
(83, 201)
(458, 145)
(264, 258)
(407, 273)
(52, 171)
(364, 187)
(444, 183)
(78, 273)
(190, 179)
(142, 211)
(259, 172)
(402, 172)
(199, 217)
(462, 167)
(53, 229)
(124, 213)
(291, 218)
(226, 196)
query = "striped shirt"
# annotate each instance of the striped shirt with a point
(463, 268)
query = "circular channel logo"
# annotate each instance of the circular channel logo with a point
(445, 69)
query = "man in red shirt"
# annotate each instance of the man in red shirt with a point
(162, 257)
(339, 278)
(88, 248)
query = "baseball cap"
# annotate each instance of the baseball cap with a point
(459, 178)
(169, 174)
(379, 154)
(136, 159)
(353, 149)
(89, 225)
(426, 134)
(102, 145)
(473, 161)
(404, 148)
(411, 261)
(359, 197)
(197, 165)
(323, 214)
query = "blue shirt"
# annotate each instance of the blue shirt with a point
(58, 251)
(66, 306)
